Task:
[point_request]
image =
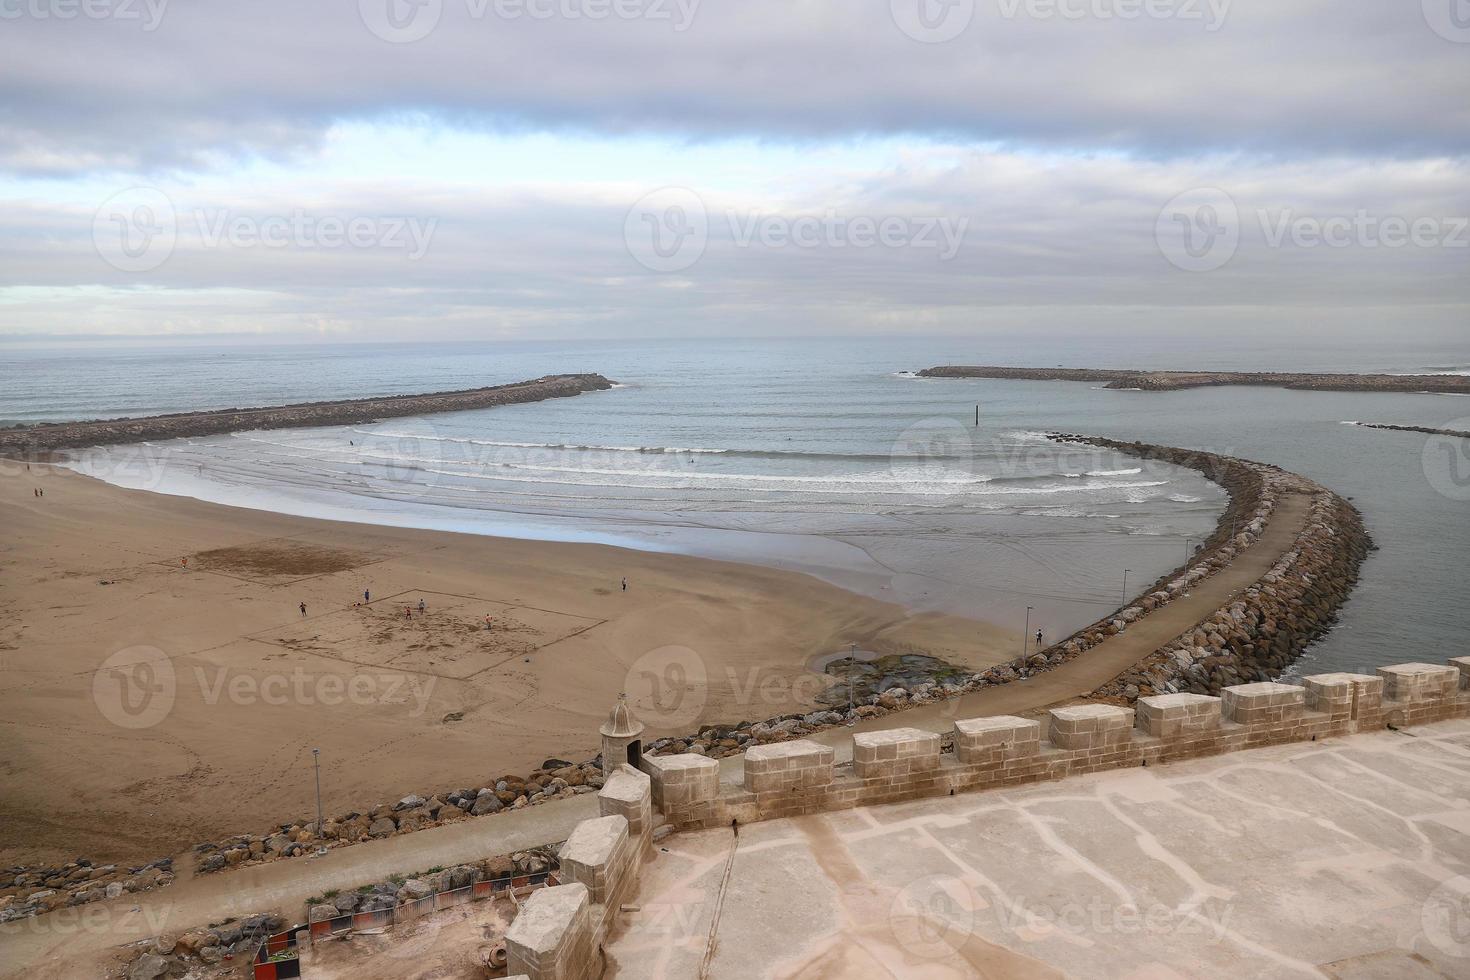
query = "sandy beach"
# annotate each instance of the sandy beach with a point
(216, 736)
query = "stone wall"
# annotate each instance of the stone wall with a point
(799, 777)
(559, 933)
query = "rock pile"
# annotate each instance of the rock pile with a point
(32, 890)
(177, 956)
(1271, 624)
(402, 889)
(34, 440)
(555, 780)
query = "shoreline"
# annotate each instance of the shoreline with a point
(110, 559)
(1257, 492)
(36, 441)
(1121, 379)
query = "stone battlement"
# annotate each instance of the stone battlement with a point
(560, 931)
(796, 777)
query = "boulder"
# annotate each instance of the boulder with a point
(149, 966)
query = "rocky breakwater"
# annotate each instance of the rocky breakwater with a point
(27, 891)
(35, 441)
(1122, 378)
(1271, 623)
(555, 780)
(1454, 433)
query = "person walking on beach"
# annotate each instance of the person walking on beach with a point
(366, 596)
(303, 609)
(421, 607)
(625, 583)
(487, 622)
(1038, 639)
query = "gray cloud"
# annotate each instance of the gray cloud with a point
(1046, 241)
(215, 77)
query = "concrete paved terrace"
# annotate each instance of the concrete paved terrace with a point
(1348, 857)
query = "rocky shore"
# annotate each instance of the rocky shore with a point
(27, 891)
(34, 441)
(1413, 428)
(1176, 380)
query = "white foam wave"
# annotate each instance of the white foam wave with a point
(570, 446)
(1130, 472)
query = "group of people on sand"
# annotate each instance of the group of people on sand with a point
(367, 597)
(37, 492)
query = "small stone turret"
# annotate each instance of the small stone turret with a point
(622, 737)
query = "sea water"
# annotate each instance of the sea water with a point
(823, 456)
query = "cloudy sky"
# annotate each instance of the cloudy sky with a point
(416, 169)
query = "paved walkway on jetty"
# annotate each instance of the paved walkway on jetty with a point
(34, 947)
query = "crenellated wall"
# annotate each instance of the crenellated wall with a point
(797, 777)
(559, 932)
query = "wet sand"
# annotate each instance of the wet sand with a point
(123, 765)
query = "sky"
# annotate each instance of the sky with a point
(513, 169)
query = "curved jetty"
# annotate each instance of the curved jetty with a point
(32, 440)
(1125, 379)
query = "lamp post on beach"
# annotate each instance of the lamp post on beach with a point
(1125, 585)
(851, 656)
(1026, 634)
(316, 759)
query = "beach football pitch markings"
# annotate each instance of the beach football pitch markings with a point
(448, 640)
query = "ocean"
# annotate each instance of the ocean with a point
(819, 455)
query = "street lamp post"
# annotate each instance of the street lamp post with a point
(851, 656)
(316, 758)
(1026, 634)
(1125, 585)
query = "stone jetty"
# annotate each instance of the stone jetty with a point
(1127, 379)
(1271, 623)
(36, 440)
